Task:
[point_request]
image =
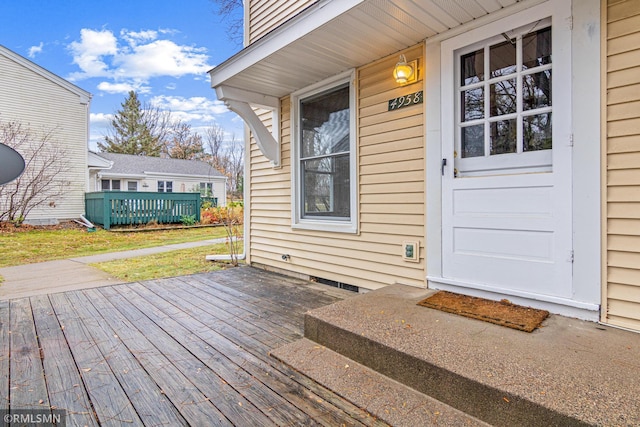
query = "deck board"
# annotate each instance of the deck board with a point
(148, 402)
(64, 385)
(27, 387)
(190, 350)
(194, 405)
(110, 402)
(249, 351)
(4, 354)
(188, 330)
(230, 401)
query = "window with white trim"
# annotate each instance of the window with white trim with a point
(505, 103)
(132, 185)
(206, 189)
(110, 184)
(323, 122)
(165, 186)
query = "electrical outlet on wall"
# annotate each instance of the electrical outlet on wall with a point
(410, 251)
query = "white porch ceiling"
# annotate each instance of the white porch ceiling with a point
(336, 35)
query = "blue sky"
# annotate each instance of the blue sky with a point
(162, 49)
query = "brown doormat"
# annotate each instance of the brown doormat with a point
(501, 313)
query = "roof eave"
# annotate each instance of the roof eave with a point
(304, 23)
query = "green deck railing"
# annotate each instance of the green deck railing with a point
(109, 208)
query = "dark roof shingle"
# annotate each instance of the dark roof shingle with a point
(138, 165)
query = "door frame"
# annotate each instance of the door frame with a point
(582, 104)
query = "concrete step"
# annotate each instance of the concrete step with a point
(384, 398)
(567, 373)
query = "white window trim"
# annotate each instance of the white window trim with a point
(507, 163)
(164, 186)
(297, 222)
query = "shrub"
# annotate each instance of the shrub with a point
(209, 216)
(188, 220)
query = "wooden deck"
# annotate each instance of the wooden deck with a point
(190, 350)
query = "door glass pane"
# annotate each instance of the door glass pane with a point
(503, 98)
(502, 59)
(472, 67)
(325, 123)
(472, 141)
(536, 49)
(326, 187)
(503, 136)
(472, 104)
(537, 132)
(536, 90)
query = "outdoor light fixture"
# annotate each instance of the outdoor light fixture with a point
(405, 72)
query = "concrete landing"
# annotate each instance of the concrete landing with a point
(569, 372)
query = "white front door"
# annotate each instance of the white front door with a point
(506, 178)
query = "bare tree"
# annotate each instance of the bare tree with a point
(227, 157)
(230, 12)
(214, 138)
(43, 181)
(182, 143)
(235, 167)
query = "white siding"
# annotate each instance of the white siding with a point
(181, 184)
(41, 103)
(623, 163)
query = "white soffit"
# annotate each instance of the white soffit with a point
(333, 36)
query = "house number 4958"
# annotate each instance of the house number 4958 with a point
(406, 100)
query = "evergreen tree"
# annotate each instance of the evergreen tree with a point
(136, 130)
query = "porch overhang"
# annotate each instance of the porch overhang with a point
(328, 38)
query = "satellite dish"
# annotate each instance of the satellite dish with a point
(11, 164)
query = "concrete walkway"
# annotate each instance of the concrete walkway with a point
(74, 273)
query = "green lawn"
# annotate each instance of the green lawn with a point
(36, 245)
(166, 264)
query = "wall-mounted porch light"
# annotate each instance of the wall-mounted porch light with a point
(405, 72)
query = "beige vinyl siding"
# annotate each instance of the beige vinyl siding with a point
(391, 198)
(265, 15)
(41, 103)
(622, 117)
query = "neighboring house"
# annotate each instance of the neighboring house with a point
(125, 172)
(475, 176)
(42, 101)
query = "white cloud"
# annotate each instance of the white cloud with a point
(133, 37)
(33, 50)
(124, 87)
(197, 111)
(90, 52)
(99, 124)
(194, 105)
(100, 118)
(162, 58)
(134, 57)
